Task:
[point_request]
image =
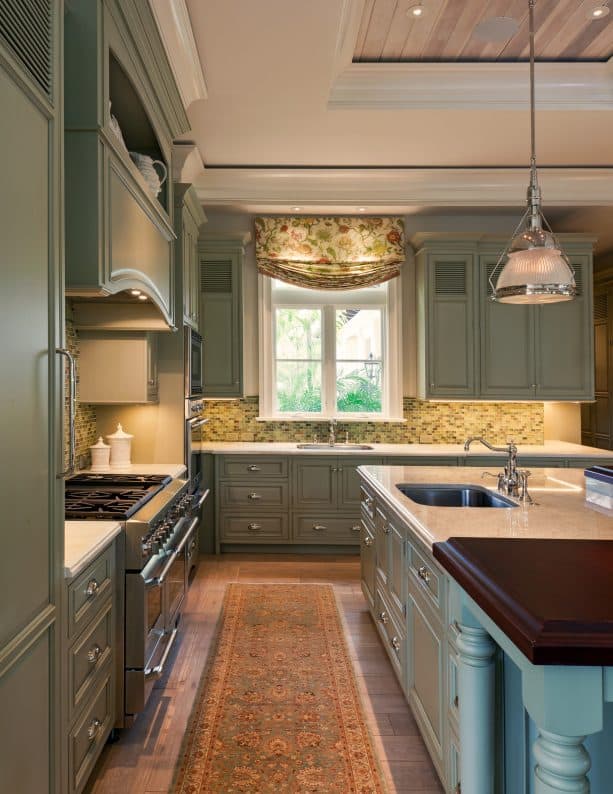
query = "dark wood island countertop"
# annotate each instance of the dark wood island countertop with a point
(552, 598)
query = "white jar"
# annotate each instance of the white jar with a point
(100, 453)
(120, 448)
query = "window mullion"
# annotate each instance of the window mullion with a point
(329, 362)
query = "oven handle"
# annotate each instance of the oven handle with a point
(157, 581)
(191, 529)
(158, 670)
(194, 424)
(202, 499)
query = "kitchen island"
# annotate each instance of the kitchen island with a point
(499, 627)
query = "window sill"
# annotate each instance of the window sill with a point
(340, 419)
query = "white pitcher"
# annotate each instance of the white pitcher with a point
(146, 165)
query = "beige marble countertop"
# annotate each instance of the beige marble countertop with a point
(171, 469)
(560, 512)
(549, 448)
(83, 541)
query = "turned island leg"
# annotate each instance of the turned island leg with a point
(477, 709)
(562, 764)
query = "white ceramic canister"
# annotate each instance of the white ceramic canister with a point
(100, 453)
(120, 448)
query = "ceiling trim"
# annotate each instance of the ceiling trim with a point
(472, 86)
(444, 187)
(173, 22)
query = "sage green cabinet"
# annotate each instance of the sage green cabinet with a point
(221, 316)
(31, 222)
(316, 483)
(472, 348)
(367, 562)
(189, 217)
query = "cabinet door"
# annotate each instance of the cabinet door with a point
(221, 323)
(315, 483)
(349, 495)
(425, 671)
(596, 418)
(506, 342)
(564, 342)
(451, 338)
(367, 564)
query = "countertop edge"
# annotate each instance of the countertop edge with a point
(73, 570)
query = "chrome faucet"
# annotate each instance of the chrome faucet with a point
(332, 432)
(511, 478)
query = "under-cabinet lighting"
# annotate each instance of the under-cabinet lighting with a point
(135, 292)
(142, 298)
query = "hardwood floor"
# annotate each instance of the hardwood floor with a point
(143, 760)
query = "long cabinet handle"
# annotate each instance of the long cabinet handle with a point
(72, 402)
(320, 527)
(253, 467)
(254, 496)
(254, 527)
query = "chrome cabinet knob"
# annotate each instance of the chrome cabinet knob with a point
(254, 496)
(94, 654)
(395, 643)
(368, 541)
(356, 528)
(383, 617)
(387, 529)
(424, 574)
(93, 729)
(254, 527)
(253, 467)
(92, 588)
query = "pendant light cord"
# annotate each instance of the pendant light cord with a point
(534, 193)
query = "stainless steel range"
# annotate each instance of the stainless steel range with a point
(161, 520)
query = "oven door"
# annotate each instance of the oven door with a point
(177, 578)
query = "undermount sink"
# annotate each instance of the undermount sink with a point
(454, 496)
(340, 447)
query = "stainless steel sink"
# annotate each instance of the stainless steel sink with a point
(454, 496)
(339, 447)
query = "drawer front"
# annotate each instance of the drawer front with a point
(253, 529)
(88, 593)
(422, 460)
(88, 736)
(428, 577)
(367, 564)
(88, 656)
(247, 468)
(393, 636)
(367, 502)
(327, 529)
(254, 497)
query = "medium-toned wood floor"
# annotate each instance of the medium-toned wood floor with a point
(143, 760)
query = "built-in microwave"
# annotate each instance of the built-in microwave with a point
(193, 363)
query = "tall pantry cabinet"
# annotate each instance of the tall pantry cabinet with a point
(31, 527)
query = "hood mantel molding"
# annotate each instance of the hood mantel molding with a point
(400, 187)
(471, 86)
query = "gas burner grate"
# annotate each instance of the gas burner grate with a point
(110, 496)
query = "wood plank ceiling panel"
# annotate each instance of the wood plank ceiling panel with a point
(564, 31)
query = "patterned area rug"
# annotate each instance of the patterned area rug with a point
(278, 710)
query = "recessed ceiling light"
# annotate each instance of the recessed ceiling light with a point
(142, 297)
(417, 11)
(599, 12)
(361, 209)
(296, 209)
(135, 292)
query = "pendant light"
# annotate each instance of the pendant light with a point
(536, 269)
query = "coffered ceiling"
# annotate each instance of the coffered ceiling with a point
(476, 30)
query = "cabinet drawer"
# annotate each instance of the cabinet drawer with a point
(90, 733)
(87, 594)
(393, 635)
(87, 657)
(327, 529)
(247, 468)
(367, 502)
(254, 497)
(429, 578)
(253, 529)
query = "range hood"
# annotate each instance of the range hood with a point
(120, 312)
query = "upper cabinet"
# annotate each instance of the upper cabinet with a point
(473, 348)
(221, 315)
(122, 112)
(189, 217)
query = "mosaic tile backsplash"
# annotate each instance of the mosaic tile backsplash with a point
(85, 418)
(426, 423)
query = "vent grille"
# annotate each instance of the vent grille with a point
(600, 307)
(26, 27)
(450, 278)
(215, 276)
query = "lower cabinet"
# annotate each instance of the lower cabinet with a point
(89, 660)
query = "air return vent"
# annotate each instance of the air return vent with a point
(26, 26)
(450, 278)
(215, 276)
(600, 308)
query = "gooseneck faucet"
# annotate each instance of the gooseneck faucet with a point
(332, 432)
(511, 478)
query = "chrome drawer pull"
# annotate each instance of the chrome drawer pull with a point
(93, 729)
(92, 588)
(356, 528)
(253, 467)
(254, 496)
(424, 574)
(94, 654)
(254, 527)
(383, 617)
(368, 541)
(395, 644)
(319, 527)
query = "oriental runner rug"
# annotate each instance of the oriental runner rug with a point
(278, 710)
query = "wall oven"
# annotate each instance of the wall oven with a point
(194, 363)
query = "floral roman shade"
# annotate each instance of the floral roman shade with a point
(330, 252)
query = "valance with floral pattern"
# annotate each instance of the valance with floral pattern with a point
(330, 252)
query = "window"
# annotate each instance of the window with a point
(329, 353)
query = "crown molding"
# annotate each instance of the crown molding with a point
(472, 86)
(401, 187)
(175, 27)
